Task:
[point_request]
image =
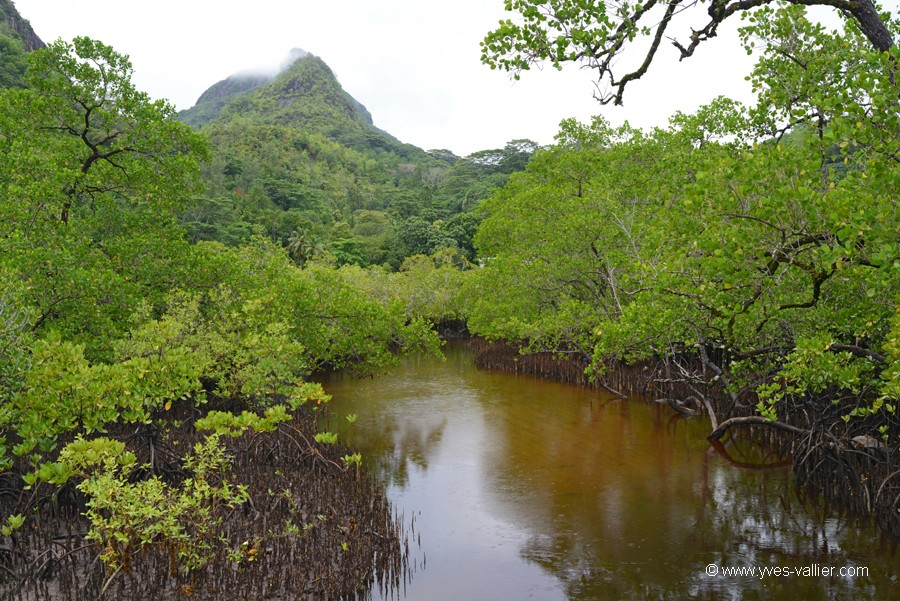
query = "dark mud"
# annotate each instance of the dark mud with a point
(313, 528)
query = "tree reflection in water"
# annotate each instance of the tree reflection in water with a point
(607, 499)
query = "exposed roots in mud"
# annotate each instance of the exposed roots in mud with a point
(836, 458)
(312, 528)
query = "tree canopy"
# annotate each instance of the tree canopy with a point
(598, 35)
(756, 247)
(295, 156)
(130, 359)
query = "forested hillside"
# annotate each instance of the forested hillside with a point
(298, 160)
(16, 38)
(147, 383)
(169, 282)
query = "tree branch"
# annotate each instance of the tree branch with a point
(752, 420)
(648, 59)
(859, 352)
(719, 13)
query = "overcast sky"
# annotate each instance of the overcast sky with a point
(413, 63)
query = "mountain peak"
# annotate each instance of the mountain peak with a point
(306, 88)
(304, 95)
(213, 100)
(293, 56)
(304, 91)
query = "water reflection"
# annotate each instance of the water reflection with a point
(530, 489)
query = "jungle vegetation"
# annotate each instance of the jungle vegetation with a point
(748, 253)
(299, 161)
(132, 360)
(154, 276)
(768, 234)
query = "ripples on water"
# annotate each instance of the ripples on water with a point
(526, 489)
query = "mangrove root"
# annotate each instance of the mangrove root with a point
(752, 420)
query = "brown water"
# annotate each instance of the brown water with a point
(527, 489)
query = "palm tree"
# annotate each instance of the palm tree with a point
(301, 248)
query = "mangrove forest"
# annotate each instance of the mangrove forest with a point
(182, 292)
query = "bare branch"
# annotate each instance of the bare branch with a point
(648, 59)
(752, 420)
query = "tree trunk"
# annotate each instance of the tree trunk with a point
(871, 25)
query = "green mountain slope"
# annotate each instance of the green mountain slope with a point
(16, 38)
(13, 25)
(211, 102)
(305, 94)
(299, 160)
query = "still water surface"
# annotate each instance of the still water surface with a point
(527, 489)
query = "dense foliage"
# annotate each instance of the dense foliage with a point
(111, 323)
(298, 160)
(148, 270)
(756, 247)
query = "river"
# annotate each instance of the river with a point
(519, 488)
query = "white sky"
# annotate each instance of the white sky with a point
(413, 63)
